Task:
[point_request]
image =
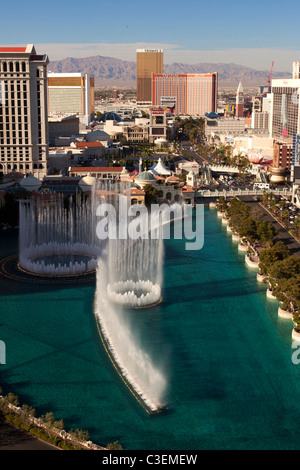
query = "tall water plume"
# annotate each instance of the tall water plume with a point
(129, 274)
(57, 236)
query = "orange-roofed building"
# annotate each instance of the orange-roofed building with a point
(137, 196)
(109, 172)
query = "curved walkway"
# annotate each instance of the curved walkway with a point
(12, 438)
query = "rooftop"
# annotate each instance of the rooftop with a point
(97, 169)
(110, 116)
(12, 49)
(84, 145)
(145, 176)
(136, 192)
(29, 49)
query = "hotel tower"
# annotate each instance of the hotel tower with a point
(148, 61)
(23, 111)
(187, 94)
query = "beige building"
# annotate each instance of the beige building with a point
(23, 111)
(260, 120)
(111, 173)
(63, 126)
(71, 93)
(148, 61)
(136, 133)
(158, 124)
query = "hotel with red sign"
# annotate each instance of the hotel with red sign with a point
(187, 94)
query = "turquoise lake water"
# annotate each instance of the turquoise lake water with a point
(225, 353)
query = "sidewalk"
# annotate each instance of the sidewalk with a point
(12, 438)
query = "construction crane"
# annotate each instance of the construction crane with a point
(269, 78)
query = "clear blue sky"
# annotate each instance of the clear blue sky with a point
(178, 25)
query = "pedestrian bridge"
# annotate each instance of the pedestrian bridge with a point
(224, 169)
(207, 193)
(232, 169)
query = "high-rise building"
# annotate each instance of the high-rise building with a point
(285, 110)
(285, 120)
(188, 94)
(296, 70)
(71, 93)
(260, 120)
(240, 101)
(23, 111)
(148, 61)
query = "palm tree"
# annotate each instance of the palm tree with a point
(297, 226)
(285, 215)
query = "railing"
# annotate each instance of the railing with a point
(231, 169)
(224, 168)
(241, 192)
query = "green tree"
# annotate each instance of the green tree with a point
(222, 204)
(12, 399)
(296, 319)
(284, 216)
(297, 226)
(79, 436)
(269, 256)
(266, 233)
(114, 446)
(28, 413)
(287, 291)
(286, 268)
(51, 425)
(248, 229)
(151, 195)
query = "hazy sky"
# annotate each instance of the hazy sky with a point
(249, 33)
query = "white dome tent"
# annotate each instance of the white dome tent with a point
(160, 169)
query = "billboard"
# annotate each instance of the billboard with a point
(230, 108)
(296, 150)
(168, 101)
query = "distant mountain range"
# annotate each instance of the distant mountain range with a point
(121, 73)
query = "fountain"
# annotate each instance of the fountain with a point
(61, 238)
(129, 276)
(57, 236)
(135, 272)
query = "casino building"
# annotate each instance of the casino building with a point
(188, 94)
(23, 111)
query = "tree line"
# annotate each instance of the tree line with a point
(280, 268)
(46, 427)
(247, 222)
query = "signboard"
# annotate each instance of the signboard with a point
(230, 108)
(296, 150)
(168, 99)
(158, 111)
